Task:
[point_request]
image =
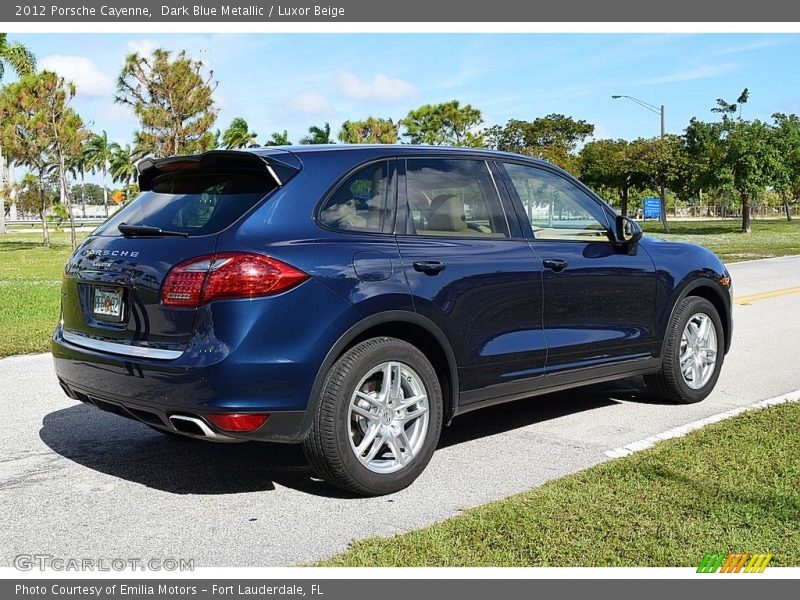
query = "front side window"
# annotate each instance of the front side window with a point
(360, 202)
(451, 197)
(556, 208)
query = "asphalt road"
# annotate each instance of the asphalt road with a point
(77, 482)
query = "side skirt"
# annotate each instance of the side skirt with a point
(565, 381)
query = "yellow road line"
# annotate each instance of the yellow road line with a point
(743, 300)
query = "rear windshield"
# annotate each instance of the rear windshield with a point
(193, 203)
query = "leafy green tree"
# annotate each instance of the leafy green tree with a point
(611, 164)
(318, 135)
(554, 138)
(705, 148)
(752, 160)
(370, 131)
(40, 130)
(27, 191)
(445, 124)
(728, 109)
(98, 154)
(661, 163)
(173, 100)
(742, 100)
(66, 133)
(279, 139)
(22, 62)
(786, 178)
(238, 135)
(738, 157)
(88, 193)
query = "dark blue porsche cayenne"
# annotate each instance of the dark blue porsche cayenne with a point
(355, 298)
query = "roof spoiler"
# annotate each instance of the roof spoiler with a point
(281, 166)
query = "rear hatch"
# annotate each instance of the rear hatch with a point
(112, 283)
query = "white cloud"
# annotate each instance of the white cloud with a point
(144, 47)
(601, 132)
(691, 74)
(117, 113)
(309, 102)
(382, 88)
(88, 79)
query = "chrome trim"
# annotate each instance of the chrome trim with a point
(122, 349)
(274, 175)
(208, 433)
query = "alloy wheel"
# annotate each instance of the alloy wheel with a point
(698, 352)
(388, 417)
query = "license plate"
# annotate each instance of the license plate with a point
(107, 303)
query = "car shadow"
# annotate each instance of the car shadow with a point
(131, 451)
(528, 411)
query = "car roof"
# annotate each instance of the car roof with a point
(381, 150)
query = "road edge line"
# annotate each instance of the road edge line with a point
(682, 430)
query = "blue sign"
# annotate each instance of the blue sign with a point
(652, 208)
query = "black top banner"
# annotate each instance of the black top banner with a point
(443, 11)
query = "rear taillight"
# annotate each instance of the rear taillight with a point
(202, 279)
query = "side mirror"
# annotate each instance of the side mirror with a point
(628, 231)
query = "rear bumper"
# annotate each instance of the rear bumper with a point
(244, 357)
(282, 426)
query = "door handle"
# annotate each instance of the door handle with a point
(429, 267)
(554, 264)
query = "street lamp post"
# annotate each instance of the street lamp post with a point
(659, 110)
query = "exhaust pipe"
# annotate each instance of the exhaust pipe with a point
(197, 428)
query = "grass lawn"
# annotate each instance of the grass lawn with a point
(30, 283)
(724, 238)
(732, 486)
(30, 276)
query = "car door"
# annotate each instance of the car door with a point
(599, 300)
(469, 271)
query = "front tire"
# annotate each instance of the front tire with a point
(693, 354)
(378, 420)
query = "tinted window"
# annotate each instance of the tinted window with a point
(195, 203)
(453, 198)
(556, 208)
(360, 202)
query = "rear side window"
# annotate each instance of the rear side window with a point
(453, 198)
(199, 203)
(360, 202)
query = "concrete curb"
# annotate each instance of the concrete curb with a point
(681, 431)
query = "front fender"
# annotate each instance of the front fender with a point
(689, 270)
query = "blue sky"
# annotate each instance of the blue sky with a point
(290, 81)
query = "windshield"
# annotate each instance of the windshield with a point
(200, 203)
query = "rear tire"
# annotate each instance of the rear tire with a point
(378, 420)
(694, 337)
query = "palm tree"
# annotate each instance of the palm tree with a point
(238, 135)
(77, 167)
(279, 139)
(22, 62)
(123, 166)
(318, 135)
(97, 156)
(18, 57)
(80, 165)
